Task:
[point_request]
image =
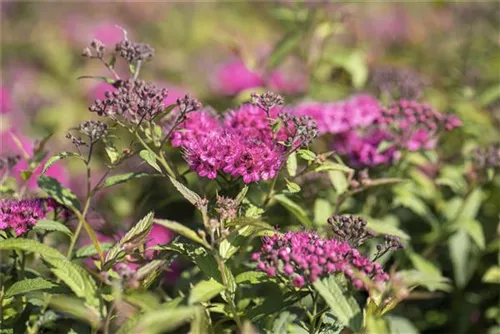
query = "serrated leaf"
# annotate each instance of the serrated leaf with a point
(164, 319)
(382, 227)
(136, 235)
(204, 291)
(344, 307)
(306, 155)
(339, 181)
(59, 156)
(188, 194)
(122, 178)
(472, 205)
(423, 265)
(28, 285)
(295, 209)
(52, 226)
(77, 279)
(413, 278)
(182, 230)
(150, 158)
(241, 195)
(29, 245)
(61, 194)
(89, 250)
(291, 164)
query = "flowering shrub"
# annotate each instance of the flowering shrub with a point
(316, 189)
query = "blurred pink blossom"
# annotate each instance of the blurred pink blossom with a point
(5, 100)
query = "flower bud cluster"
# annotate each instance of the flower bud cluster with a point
(134, 52)
(227, 208)
(351, 229)
(402, 83)
(486, 157)
(267, 101)
(8, 162)
(134, 100)
(304, 257)
(94, 130)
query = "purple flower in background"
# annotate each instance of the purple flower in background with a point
(5, 100)
(341, 116)
(362, 150)
(21, 215)
(79, 30)
(234, 77)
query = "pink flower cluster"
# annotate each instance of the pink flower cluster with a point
(303, 257)
(241, 145)
(21, 215)
(341, 116)
(415, 125)
(234, 77)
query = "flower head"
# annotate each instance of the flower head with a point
(21, 215)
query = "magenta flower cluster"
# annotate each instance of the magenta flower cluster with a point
(303, 257)
(241, 145)
(21, 215)
(358, 111)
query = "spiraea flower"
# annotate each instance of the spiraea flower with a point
(134, 52)
(304, 257)
(341, 116)
(415, 125)
(195, 125)
(21, 215)
(134, 100)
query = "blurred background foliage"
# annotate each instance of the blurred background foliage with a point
(323, 51)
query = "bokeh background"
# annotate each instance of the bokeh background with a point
(219, 52)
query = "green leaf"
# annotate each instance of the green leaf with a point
(413, 278)
(52, 226)
(204, 291)
(328, 165)
(198, 255)
(61, 194)
(283, 48)
(306, 155)
(475, 231)
(241, 195)
(339, 181)
(28, 285)
(137, 235)
(292, 186)
(344, 307)
(280, 325)
(164, 319)
(122, 178)
(251, 277)
(59, 156)
(459, 246)
(400, 325)
(291, 164)
(188, 194)
(323, 209)
(182, 230)
(112, 153)
(99, 78)
(472, 205)
(76, 309)
(145, 300)
(383, 227)
(492, 275)
(295, 209)
(150, 158)
(29, 245)
(423, 265)
(77, 279)
(89, 250)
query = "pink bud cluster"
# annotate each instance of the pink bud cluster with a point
(414, 125)
(303, 257)
(358, 111)
(21, 215)
(241, 145)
